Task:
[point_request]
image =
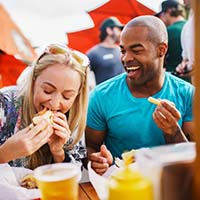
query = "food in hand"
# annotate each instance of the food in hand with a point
(29, 181)
(44, 114)
(154, 101)
(127, 158)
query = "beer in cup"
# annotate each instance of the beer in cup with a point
(58, 181)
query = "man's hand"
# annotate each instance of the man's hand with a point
(166, 117)
(184, 69)
(101, 161)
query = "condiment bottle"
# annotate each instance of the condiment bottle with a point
(128, 184)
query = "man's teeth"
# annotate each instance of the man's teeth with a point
(133, 68)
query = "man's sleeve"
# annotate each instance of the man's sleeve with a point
(95, 115)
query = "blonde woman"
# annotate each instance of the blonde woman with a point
(57, 81)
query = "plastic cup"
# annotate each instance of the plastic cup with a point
(58, 181)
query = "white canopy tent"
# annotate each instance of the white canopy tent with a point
(48, 20)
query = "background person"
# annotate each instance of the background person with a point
(185, 68)
(105, 56)
(173, 14)
(120, 118)
(57, 81)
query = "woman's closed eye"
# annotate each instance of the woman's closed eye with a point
(48, 91)
(66, 98)
(67, 95)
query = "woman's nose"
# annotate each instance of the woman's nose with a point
(56, 102)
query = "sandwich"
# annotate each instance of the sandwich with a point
(44, 114)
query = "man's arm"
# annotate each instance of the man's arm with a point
(183, 134)
(97, 153)
(94, 139)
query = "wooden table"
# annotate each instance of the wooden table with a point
(87, 192)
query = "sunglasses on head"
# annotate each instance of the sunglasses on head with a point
(62, 49)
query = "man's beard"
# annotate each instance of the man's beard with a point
(115, 38)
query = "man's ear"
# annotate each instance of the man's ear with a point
(162, 49)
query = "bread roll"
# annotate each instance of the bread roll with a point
(44, 114)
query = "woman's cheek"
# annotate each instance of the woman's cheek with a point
(68, 105)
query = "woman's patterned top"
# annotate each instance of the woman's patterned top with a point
(10, 122)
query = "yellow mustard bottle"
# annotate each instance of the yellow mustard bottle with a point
(128, 184)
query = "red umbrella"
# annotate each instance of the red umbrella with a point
(124, 10)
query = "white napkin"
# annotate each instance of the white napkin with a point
(10, 188)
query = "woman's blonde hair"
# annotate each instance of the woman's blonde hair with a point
(56, 54)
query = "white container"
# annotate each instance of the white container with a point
(168, 166)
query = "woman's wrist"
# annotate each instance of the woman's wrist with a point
(2, 155)
(5, 156)
(58, 156)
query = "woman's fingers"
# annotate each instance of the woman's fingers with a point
(30, 139)
(34, 130)
(60, 122)
(61, 127)
(61, 132)
(42, 138)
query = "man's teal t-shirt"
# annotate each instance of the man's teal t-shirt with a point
(128, 120)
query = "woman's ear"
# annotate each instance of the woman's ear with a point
(162, 49)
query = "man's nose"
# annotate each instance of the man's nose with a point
(127, 57)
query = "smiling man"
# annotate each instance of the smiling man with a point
(120, 117)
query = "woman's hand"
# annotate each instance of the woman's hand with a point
(60, 136)
(26, 141)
